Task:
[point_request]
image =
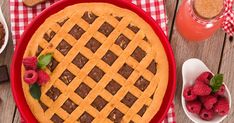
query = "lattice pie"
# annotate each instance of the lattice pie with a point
(108, 66)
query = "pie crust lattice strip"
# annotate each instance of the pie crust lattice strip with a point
(108, 66)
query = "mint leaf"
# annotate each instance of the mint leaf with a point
(35, 91)
(216, 82)
(44, 60)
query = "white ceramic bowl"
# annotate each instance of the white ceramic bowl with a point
(191, 69)
(3, 21)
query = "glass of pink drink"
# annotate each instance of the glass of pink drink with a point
(197, 20)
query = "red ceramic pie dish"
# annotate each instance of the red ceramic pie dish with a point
(16, 84)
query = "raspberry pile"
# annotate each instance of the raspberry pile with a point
(33, 74)
(206, 97)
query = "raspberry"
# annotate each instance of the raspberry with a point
(222, 106)
(30, 63)
(194, 106)
(188, 94)
(206, 114)
(30, 76)
(221, 91)
(205, 77)
(43, 77)
(201, 89)
(208, 101)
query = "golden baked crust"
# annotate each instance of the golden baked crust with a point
(115, 66)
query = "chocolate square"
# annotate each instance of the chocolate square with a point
(89, 17)
(109, 57)
(106, 29)
(56, 119)
(122, 41)
(86, 118)
(129, 99)
(53, 93)
(39, 50)
(64, 47)
(142, 110)
(152, 67)
(99, 103)
(142, 83)
(116, 116)
(69, 106)
(135, 29)
(83, 90)
(53, 64)
(43, 106)
(93, 44)
(125, 71)
(49, 35)
(96, 74)
(80, 61)
(76, 32)
(113, 87)
(4, 77)
(138, 54)
(67, 77)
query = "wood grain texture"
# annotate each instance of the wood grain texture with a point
(227, 68)
(171, 11)
(209, 51)
(7, 105)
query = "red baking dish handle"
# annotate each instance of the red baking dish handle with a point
(16, 84)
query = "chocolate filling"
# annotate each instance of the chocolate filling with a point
(49, 35)
(152, 67)
(83, 90)
(2, 35)
(67, 77)
(118, 18)
(86, 118)
(56, 119)
(138, 54)
(43, 106)
(64, 47)
(96, 74)
(113, 87)
(109, 57)
(129, 99)
(53, 93)
(135, 29)
(152, 96)
(62, 22)
(89, 17)
(116, 116)
(80, 61)
(39, 50)
(93, 45)
(52, 65)
(76, 32)
(145, 39)
(106, 29)
(122, 41)
(131, 121)
(69, 106)
(142, 110)
(125, 71)
(142, 83)
(99, 103)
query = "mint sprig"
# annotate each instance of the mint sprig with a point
(35, 91)
(216, 82)
(44, 60)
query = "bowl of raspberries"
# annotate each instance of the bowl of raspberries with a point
(205, 98)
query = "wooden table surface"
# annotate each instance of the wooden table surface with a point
(216, 52)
